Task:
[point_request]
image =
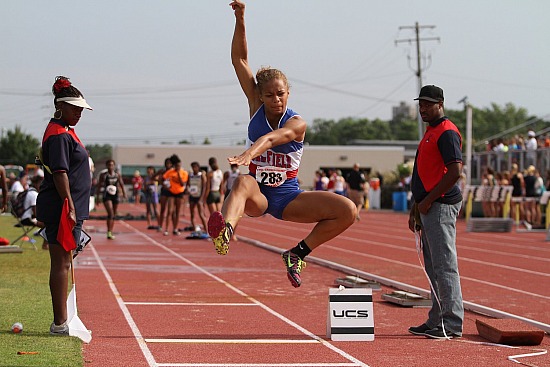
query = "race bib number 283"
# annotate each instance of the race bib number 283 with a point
(271, 176)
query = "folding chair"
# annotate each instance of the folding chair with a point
(26, 225)
(28, 231)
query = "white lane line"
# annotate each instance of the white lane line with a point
(505, 287)
(399, 285)
(135, 330)
(461, 277)
(187, 304)
(418, 266)
(257, 364)
(233, 341)
(408, 264)
(251, 299)
(284, 228)
(396, 247)
(460, 258)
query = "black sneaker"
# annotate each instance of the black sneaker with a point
(437, 333)
(419, 330)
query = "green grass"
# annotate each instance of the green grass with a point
(25, 298)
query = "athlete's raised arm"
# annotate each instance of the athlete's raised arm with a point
(239, 58)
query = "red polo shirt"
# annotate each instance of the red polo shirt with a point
(440, 146)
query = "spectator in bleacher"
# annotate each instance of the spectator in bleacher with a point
(521, 142)
(532, 208)
(540, 187)
(503, 179)
(489, 180)
(514, 147)
(513, 144)
(518, 192)
(531, 146)
(500, 146)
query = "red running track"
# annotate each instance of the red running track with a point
(154, 300)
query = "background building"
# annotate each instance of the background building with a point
(404, 111)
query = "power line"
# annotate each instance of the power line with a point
(463, 77)
(386, 96)
(340, 91)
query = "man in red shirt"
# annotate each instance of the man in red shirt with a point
(437, 202)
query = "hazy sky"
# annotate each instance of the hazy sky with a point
(160, 71)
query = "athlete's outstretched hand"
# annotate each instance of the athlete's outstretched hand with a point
(238, 6)
(242, 160)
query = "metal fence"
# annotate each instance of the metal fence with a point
(502, 161)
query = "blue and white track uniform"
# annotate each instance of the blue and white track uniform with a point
(276, 170)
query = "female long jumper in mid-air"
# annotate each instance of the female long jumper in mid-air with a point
(274, 150)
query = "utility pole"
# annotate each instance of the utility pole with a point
(418, 70)
(468, 110)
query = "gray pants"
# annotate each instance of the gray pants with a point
(440, 259)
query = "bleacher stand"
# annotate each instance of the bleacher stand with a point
(500, 194)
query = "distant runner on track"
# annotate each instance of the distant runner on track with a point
(274, 150)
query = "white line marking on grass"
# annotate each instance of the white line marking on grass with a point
(253, 300)
(140, 340)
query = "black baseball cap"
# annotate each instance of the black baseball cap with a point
(431, 93)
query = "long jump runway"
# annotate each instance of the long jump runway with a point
(154, 300)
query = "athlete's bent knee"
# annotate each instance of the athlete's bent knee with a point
(244, 182)
(349, 212)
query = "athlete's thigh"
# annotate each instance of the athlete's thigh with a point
(246, 188)
(314, 206)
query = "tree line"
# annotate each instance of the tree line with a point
(486, 122)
